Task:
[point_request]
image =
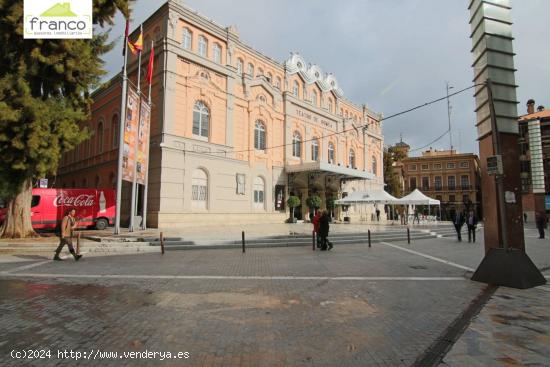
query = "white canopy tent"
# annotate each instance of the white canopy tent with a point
(370, 197)
(418, 198)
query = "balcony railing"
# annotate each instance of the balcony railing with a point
(445, 188)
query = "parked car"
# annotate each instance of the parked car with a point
(94, 207)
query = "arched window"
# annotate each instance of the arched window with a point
(297, 145)
(201, 119)
(351, 158)
(157, 34)
(374, 165)
(259, 193)
(314, 149)
(100, 137)
(331, 153)
(314, 98)
(330, 105)
(250, 69)
(203, 46)
(269, 76)
(88, 146)
(114, 130)
(341, 112)
(240, 66)
(259, 135)
(187, 39)
(278, 83)
(295, 89)
(199, 188)
(217, 53)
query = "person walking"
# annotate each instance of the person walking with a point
(540, 220)
(471, 222)
(323, 231)
(416, 217)
(68, 224)
(316, 222)
(377, 215)
(458, 223)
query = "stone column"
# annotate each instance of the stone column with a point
(305, 209)
(323, 195)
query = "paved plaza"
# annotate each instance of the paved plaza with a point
(393, 304)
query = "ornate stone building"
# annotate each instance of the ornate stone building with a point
(234, 132)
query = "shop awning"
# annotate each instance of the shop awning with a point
(322, 167)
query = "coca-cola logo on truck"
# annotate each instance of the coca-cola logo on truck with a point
(80, 200)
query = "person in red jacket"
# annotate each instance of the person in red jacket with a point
(316, 222)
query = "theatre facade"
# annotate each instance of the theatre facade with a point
(234, 133)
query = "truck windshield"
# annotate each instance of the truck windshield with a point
(35, 201)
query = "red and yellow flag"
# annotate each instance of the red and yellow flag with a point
(137, 46)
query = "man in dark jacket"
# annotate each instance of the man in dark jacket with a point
(316, 223)
(458, 223)
(323, 231)
(471, 222)
(540, 219)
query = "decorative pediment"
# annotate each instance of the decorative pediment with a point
(204, 77)
(312, 74)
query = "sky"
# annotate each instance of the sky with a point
(389, 55)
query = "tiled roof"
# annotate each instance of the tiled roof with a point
(534, 116)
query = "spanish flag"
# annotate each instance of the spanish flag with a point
(151, 62)
(137, 46)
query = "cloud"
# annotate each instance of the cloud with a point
(390, 55)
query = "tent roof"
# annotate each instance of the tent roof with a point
(380, 196)
(417, 198)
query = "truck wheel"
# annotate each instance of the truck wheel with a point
(101, 224)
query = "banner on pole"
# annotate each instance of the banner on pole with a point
(143, 142)
(130, 135)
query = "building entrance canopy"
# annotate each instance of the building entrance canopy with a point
(322, 167)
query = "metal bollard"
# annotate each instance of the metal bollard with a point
(408, 236)
(244, 250)
(313, 240)
(161, 243)
(369, 236)
(78, 243)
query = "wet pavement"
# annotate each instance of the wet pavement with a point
(353, 306)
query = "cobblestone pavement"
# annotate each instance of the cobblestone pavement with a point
(353, 306)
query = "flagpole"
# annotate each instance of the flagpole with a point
(134, 183)
(146, 188)
(121, 135)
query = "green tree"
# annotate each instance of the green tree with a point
(313, 202)
(44, 93)
(391, 178)
(292, 202)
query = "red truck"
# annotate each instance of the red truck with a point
(94, 207)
